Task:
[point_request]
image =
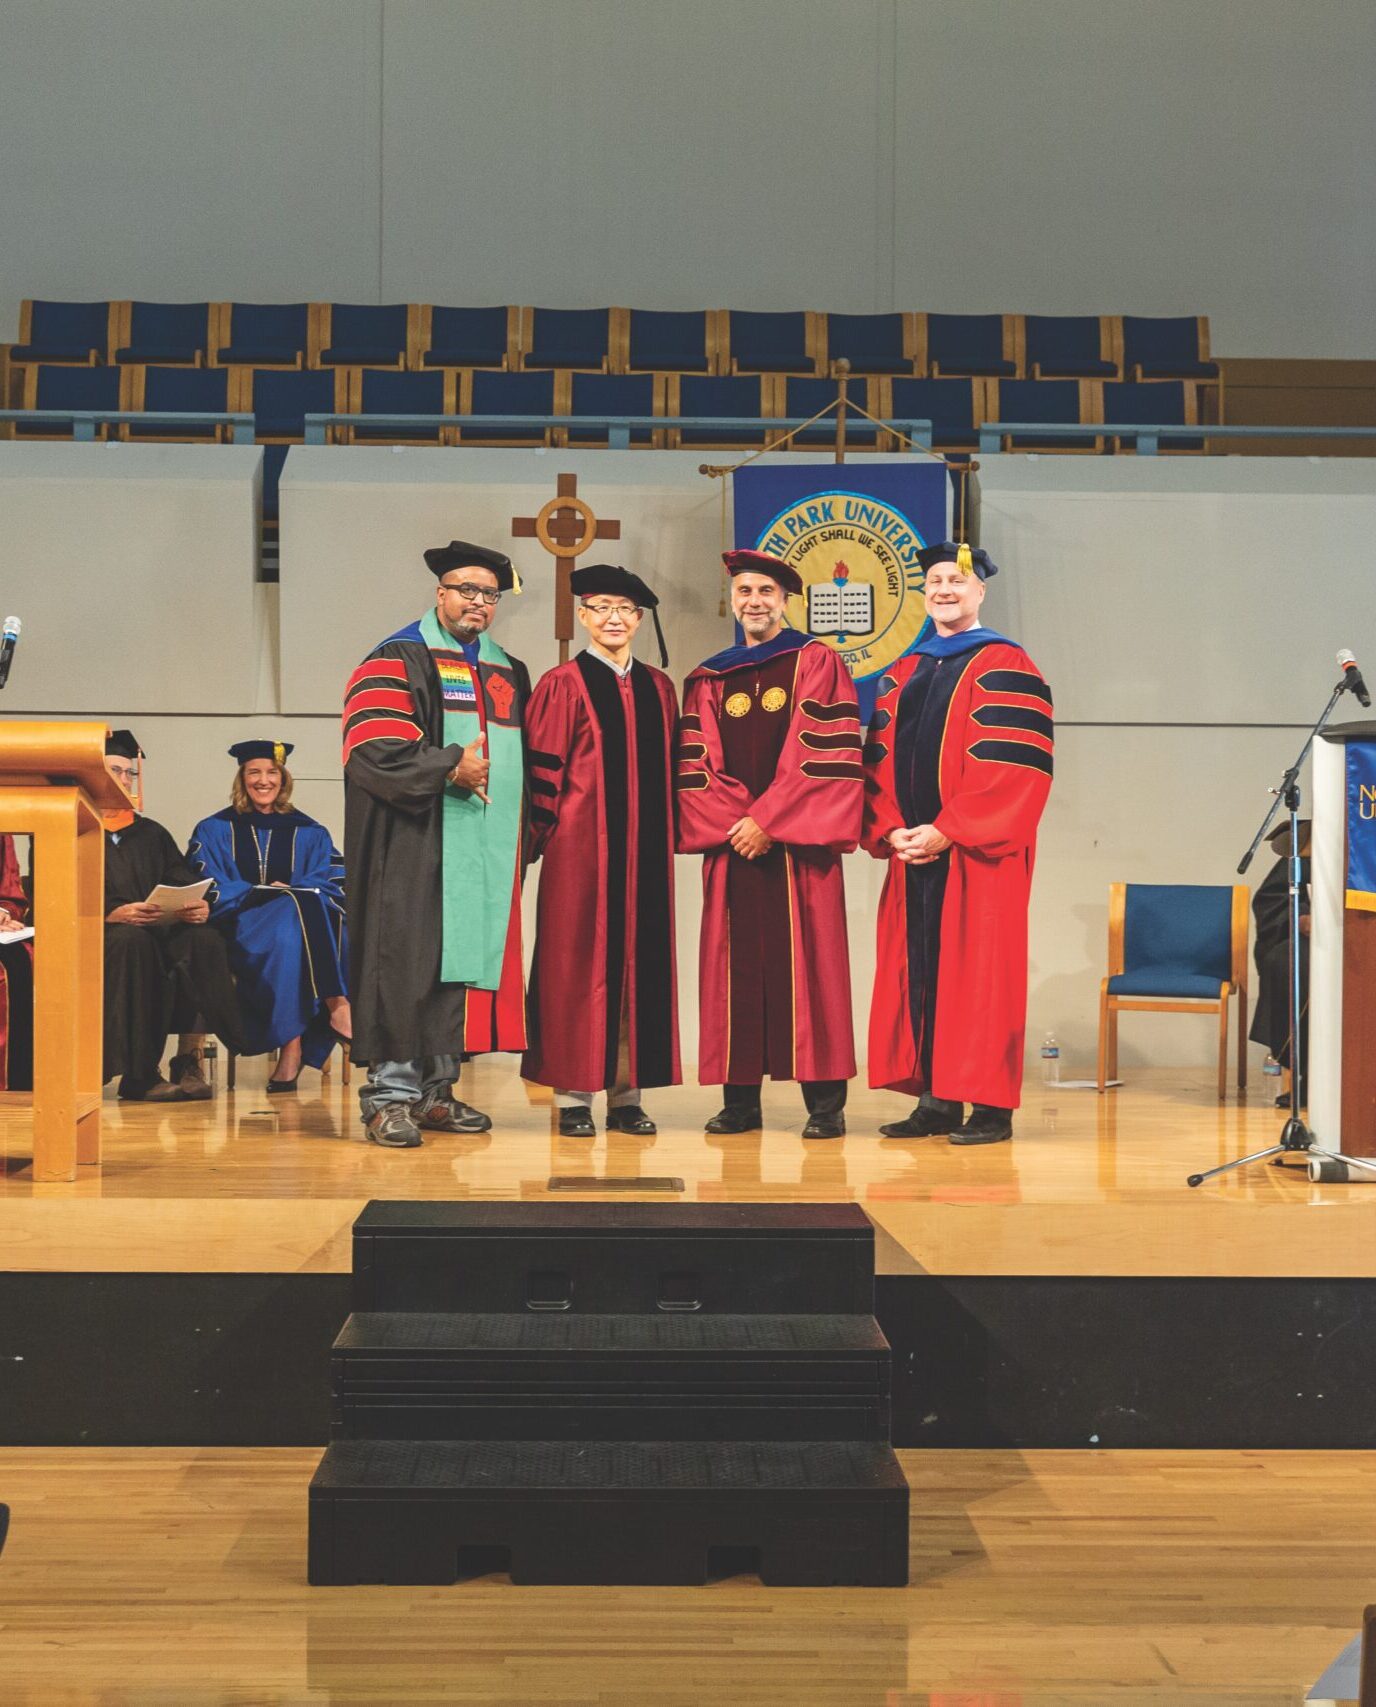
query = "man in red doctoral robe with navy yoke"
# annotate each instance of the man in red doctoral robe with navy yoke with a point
(769, 790)
(957, 771)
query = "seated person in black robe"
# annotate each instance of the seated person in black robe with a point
(16, 977)
(159, 976)
(1271, 909)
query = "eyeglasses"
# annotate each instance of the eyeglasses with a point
(466, 590)
(603, 613)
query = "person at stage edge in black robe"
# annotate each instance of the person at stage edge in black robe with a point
(16, 977)
(1271, 909)
(158, 976)
(434, 811)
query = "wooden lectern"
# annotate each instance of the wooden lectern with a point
(1342, 965)
(53, 786)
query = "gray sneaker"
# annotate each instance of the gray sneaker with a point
(440, 1113)
(393, 1126)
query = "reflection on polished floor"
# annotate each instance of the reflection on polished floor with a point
(1089, 1185)
(1039, 1578)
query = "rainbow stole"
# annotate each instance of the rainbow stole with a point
(480, 844)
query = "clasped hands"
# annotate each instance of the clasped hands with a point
(748, 839)
(919, 845)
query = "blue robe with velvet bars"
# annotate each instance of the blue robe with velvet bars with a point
(287, 948)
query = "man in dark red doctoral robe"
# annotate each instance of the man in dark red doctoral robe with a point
(957, 771)
(769, 790)
(602, 1003)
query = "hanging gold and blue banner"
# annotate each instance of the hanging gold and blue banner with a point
(852, 531)
(1361, 825)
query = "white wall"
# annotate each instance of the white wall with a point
(1070, 156)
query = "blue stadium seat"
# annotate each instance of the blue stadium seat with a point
(1065, 346)
(382, 392)
(467, 337)
(668, 341)
(967, 344)
(949, 404)
(1165, 349)
(281, 398)
(274, 456)
(1051, 400)
(569, 337)
(726, 395)
(63, 332)
(611, 394)
(510, 394)
(769, 343)
(166, 332)
(266, 334)
(186, 389)
(365, 335)
(1151, 403)
(871, 343)
(57, 387)
(806, 396)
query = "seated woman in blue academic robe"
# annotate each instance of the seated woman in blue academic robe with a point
(278, 895)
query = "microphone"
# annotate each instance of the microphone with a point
(1352, 676)
(11, 639)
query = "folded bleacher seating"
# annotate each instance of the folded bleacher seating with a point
(63, 332)
(1050, 400)
(466, 337)
(1066, 346)
(949, 404)
(48, 386)
(1176, 348)
(281, 398)
(187, 390)
(611, 394)
(568, 338)
(669, 341)
(871, 343)
(806, 396)
(742, 395)
(265, 334)
(360, 334)
(382, 392)
(163, 333)
(508, 394)
(969, 345)
(769, 343)
(1145, 403)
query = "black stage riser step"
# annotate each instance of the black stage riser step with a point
(594, 1417)
(614, 1258)
(811, 1514)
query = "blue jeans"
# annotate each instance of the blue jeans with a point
(406, 1081)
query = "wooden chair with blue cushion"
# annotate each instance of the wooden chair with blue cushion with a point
(1176, 948)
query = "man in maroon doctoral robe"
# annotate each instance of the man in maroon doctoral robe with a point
(769, 790)
(602, 1002)
(958, 768)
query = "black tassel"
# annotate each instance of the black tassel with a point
(659, 636)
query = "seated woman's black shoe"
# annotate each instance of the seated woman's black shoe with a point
(276, 1087)
(986, 1125)
(735, 1120)
(631, 1118)
(576, 1123)
(927, 1120)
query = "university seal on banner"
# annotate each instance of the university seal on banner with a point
(862, 582)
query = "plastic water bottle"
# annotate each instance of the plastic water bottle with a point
(1051, 1060)
(1271, 1066)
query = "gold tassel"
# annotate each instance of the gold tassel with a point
(964, 561)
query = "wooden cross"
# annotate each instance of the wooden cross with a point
(566, 527)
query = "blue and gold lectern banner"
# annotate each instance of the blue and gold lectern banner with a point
(853, 532)
(1361, 825)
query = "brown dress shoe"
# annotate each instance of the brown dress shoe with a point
(185, 1073)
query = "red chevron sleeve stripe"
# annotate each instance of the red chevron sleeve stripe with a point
(380, 699)
(380, 729)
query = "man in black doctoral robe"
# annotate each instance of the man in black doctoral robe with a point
(1271, 909)
(159, 975)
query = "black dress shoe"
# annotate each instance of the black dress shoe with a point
(735, 1120)
(925, 1122)
(276, 1087)
(985, 1126)
(576, 1123)
(630, 1117)
(825, 1126)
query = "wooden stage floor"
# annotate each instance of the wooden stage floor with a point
(1090, 1185)
(176, 1579)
